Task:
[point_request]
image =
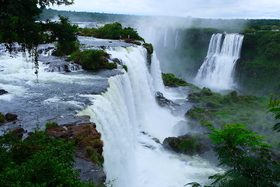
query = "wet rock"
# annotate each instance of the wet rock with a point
(3, 92)
(10, 117)
(19, 132)
(89, 171)
(189, 144)
(89, 148)
(62, 66)
(165, 103)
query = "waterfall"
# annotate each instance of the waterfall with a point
(216, 72)
(176, 39)
(165, 37)
(132, 125)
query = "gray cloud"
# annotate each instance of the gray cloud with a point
(195, 8)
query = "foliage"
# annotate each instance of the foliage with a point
(115, 31)
(149, 47)
(38, 160)
(49, 125)
(217, 109)
(94, 155)
(86, 31)
(257, 68)
(17, 21)
(2, 118)
(87, 142)
(92, 59)
(64, 33)
(274, 107)
(249, 159)
(169, 79)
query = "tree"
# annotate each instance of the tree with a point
(64, 33)
(250, 161)
(274, 107)
(17, 23)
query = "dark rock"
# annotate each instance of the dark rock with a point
(165, 103)
(10, 117)
(19, 132)
(89, 171)
(118, 61)
(189, 144)
(3, 92)
(62, 66)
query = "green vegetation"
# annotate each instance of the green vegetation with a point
(220, 109)
(64, 33)
(258, 67)
(92, 59)
(169, 79)
(274, 107)
(2, 118)
(18, 22)
(250, 161)
(51, 125)
(38, 160)
(87, 142)
(149, 47)
(115, 31)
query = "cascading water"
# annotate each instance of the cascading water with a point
(216, 72)
(132, 125)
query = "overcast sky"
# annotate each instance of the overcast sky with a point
(195, 8)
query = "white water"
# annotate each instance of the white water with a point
(216, 72)
(130, 120)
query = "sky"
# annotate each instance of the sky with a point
(224, 9)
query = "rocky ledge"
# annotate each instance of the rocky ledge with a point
(189, 144)
(89, 147)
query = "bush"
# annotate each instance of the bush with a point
(2, 118)
(92, 59)
(170, 80)
(38, 160)
(49, 125)
(115, 31)
(149, 47)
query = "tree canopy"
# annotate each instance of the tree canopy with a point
(17, 20)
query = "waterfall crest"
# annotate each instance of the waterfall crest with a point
(132, 124)
(218, 67)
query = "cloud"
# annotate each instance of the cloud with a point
(194, 8)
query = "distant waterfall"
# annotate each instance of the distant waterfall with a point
(131, 124)
(217, 69)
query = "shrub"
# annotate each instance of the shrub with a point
(2, 118)
(115, 31)
(170, 80)
(50, 125)
(149, 47)
(92, 59)
(38, 160)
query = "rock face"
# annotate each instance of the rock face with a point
(3, 92)
(9, 117)
(166, 103)
(89, 148)
(189, 144)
